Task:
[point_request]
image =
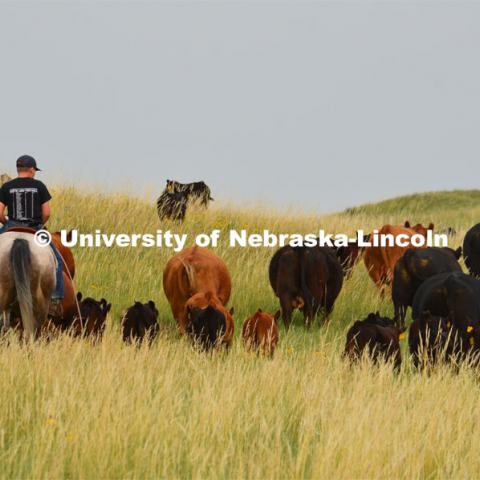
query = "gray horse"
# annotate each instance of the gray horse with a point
(27, 276)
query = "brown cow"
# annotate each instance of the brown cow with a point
(380, 261)
(260, 332)
(197, 285)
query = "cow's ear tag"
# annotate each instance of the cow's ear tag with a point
(469, 329)
(402, 336)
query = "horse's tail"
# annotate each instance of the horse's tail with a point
(21, 260)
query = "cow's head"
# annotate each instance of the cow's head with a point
(149, 316)
(358, 338)
(207, 320)
(147, 312)
(268, 316)
(170, 186)
(419, 228)
(377, 319)
(207, 327)
(150, 306)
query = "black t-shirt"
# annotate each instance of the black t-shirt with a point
(24, 198)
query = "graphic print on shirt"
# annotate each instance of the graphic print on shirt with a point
(24, 203)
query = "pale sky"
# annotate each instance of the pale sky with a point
(318, 104)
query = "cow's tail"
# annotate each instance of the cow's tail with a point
(306, 293)
(386, 263)
(190, 274)
(21, 261)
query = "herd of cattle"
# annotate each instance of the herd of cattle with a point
(445, 301)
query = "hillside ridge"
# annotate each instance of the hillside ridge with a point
(421, 201)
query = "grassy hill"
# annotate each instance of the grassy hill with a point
(417, 204)
(71, 409)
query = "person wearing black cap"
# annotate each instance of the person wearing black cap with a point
(27, 202)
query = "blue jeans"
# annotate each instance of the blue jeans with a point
(59, 291)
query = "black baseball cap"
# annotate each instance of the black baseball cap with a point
(26, 161)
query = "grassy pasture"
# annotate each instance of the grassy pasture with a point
(73, 410)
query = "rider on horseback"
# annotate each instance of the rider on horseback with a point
(27, 202)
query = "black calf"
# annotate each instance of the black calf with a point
(140, 323)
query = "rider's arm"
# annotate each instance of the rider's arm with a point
(45, 212)
(2, 213)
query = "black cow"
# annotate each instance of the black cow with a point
(308, 278)
(471, 250)
(413, 268)
(207, 327)
(376, 335)
(430, 338)
(457, 296)
(172, 205)
(140, 323)
(196, 191)
(93, 315)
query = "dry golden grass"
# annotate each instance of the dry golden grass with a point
(71, 409)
